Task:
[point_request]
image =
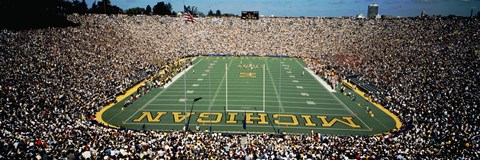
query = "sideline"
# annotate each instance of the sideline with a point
(324, 84)
(398, 123)
(118, 98)
(127, 94)
(174, 79)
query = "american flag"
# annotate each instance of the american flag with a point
(188, 17)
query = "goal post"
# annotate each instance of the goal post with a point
(232, 107)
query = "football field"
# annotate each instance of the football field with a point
(250, 95)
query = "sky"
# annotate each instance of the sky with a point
(317, 8)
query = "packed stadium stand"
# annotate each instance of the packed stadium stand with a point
(54, 80)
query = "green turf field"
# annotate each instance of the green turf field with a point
(283, 96)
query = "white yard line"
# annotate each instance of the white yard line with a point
(343, 104)
(174, 79)
(218, 88)
(324, 84)
(242, 111)
(275, 88)
(284, 97)
(241, 100)
(267, 106)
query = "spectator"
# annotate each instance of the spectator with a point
(52, 79)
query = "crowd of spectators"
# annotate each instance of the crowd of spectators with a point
(55, 79)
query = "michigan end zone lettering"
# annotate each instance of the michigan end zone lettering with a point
(251, 118)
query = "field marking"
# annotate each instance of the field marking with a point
(296, 60)
(200, 79)
(291, 94)
(304, 94)
(114, 116)
(270, 99)
(267, 86)
(275, 88)
(289, 107)
(313, 83)
(266, 106)
(300, 87)
(219, 87)
(351, 112)
(251, 125)
(273, 101)
(177, 110)
(320, 80)
(310, 102)
(195, 85)
(237, 106)
(204, 74)
(273, 97)
(295, 81)
(287, 91)
(286, 87)
(398, 123)
(338, 100)
(242, 111)
(190, 91)
(174, 80)
(286, 102)
(309, 108)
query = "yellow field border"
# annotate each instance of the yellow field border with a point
(126, 95)
(398, 123)
(118, 98)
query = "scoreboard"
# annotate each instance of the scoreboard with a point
(250, 15)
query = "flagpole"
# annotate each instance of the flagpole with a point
(185, 84)
(185, 77)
